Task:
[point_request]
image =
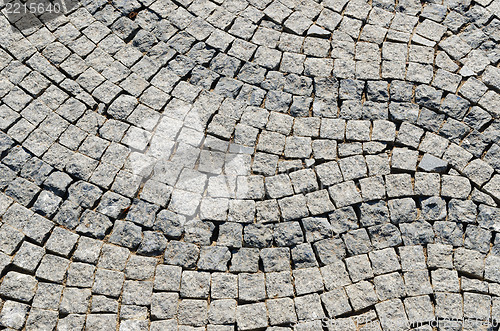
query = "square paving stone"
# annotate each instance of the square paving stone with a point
(42, 319)
(97, 322)
(258, 235)
(477, 238)
(384, 131)
(288, 234)
(222, 312)
(241, 211)
(372, 188)
(304, 181)
(345, 194)
(164, 305)
(167, 278)
(473, 285)
(75, 301)
(265, 164)
(214, 258)
(163, 325)
(357, 242)
(324, 149)
(353, 167)
(336, 302)
(316, 228)
(170, 224)
(279, 284)
(477, 306)
(398, 185)
(392, 315)
(275, 259)
(298, 147)
(358, 130)
(419, 309)
(80, 275)
(469, 261)
(281, 311)
(427, 184)
(18, 286)
(328, 173)
(374, 213)
(404, 159)
(319, 202)
(359, 267)
(252, 316)
(28, 256)
(384, 261)
(293, 207)
(113, 257)
(433, 209)
(230, 234)
(181, 254)
(271, 142)
(412, 258)
(308, 307)
(48, 296)
(491, 268)
(332, 128)
(133, 312)
(448, 233)
(335, 275)
(108, 282)
(385, 235)
(140, 267)
(245, 260)
(325, 254)
(22, 191)
(307, 281)
(303, 256)
(61, 241)
(137, 292)
(87, 250)
(444, 280)
(439, 256)
(52, 268)
(278, 186)
(195, 284)
(13, 314)
(389, 286)
(224, 286)
(402, 210)
(251, 287)
(417, 282)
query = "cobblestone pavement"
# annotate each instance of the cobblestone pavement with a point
(250, 165)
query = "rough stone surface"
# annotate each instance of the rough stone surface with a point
(249, 165)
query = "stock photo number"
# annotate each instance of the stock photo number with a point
(34, 7)
(23, 14)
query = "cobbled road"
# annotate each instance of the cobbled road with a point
(227, 165)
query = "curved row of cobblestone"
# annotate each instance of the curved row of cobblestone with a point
(250, 165)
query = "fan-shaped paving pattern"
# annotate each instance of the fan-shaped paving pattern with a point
(223, 165)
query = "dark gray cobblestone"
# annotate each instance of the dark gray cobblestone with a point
(250, 165)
